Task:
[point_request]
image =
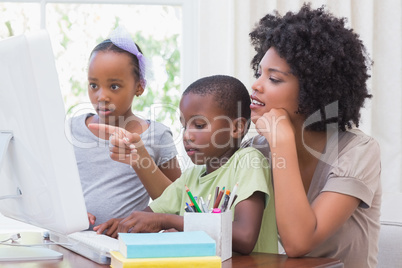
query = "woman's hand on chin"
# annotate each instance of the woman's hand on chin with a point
(275, 126)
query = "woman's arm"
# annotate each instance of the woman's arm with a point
(302, 226)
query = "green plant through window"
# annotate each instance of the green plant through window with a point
(75, 29)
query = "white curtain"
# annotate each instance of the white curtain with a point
(225, 48)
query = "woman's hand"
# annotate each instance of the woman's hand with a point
(276, 127)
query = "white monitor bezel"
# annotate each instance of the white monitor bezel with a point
(38, 160)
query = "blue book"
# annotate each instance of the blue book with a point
(171, 244)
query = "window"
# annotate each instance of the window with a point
(164, 30)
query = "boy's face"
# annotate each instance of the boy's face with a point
(111, 86)
(207, 129)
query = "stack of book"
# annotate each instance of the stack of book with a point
(171, 249)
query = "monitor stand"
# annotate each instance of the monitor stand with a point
(26, 253)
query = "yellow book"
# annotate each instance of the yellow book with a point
(118, 261)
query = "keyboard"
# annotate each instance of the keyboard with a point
(95, 247)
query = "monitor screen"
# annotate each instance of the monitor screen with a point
(39, 180)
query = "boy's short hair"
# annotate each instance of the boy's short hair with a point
(229, 93)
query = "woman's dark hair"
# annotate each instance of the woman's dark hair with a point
(107, 45)
(329, 60)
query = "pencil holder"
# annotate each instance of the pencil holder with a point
(217, 225)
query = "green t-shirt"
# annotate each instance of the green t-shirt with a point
(249, 168)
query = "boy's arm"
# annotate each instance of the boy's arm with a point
(146, 220)
(128, 148)
(247, 223)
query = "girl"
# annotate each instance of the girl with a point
(311, 84)
(116, 74)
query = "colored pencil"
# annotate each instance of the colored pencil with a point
(193, 200)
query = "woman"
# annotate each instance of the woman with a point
(311, 84)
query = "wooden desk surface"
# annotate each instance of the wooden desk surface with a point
(278, 261)
(73, 260)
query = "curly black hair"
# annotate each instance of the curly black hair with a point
(229, 92)
(329, 60)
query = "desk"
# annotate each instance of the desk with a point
(278, 261)
(73, 260)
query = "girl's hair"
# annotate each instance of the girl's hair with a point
(107, 45)
(330, 62)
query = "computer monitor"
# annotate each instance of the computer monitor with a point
(39, 179)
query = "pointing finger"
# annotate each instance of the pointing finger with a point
(106, 128)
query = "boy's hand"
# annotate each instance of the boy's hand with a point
(141, 222)
(110, 227)
(171, 230)
(124, 145)
(91, 218)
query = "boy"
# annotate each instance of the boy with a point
(215, 113)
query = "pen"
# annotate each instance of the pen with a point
(189, 207)
(203, 205)
(209, 201)
(193, 207)
(216, 193)
(232, 195)
(234, 198)
(225, 201)
(192, 199)
(197, 201)
(218, 199)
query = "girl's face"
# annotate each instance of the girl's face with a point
(112, 86)
(276, 87)
(207, 131)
